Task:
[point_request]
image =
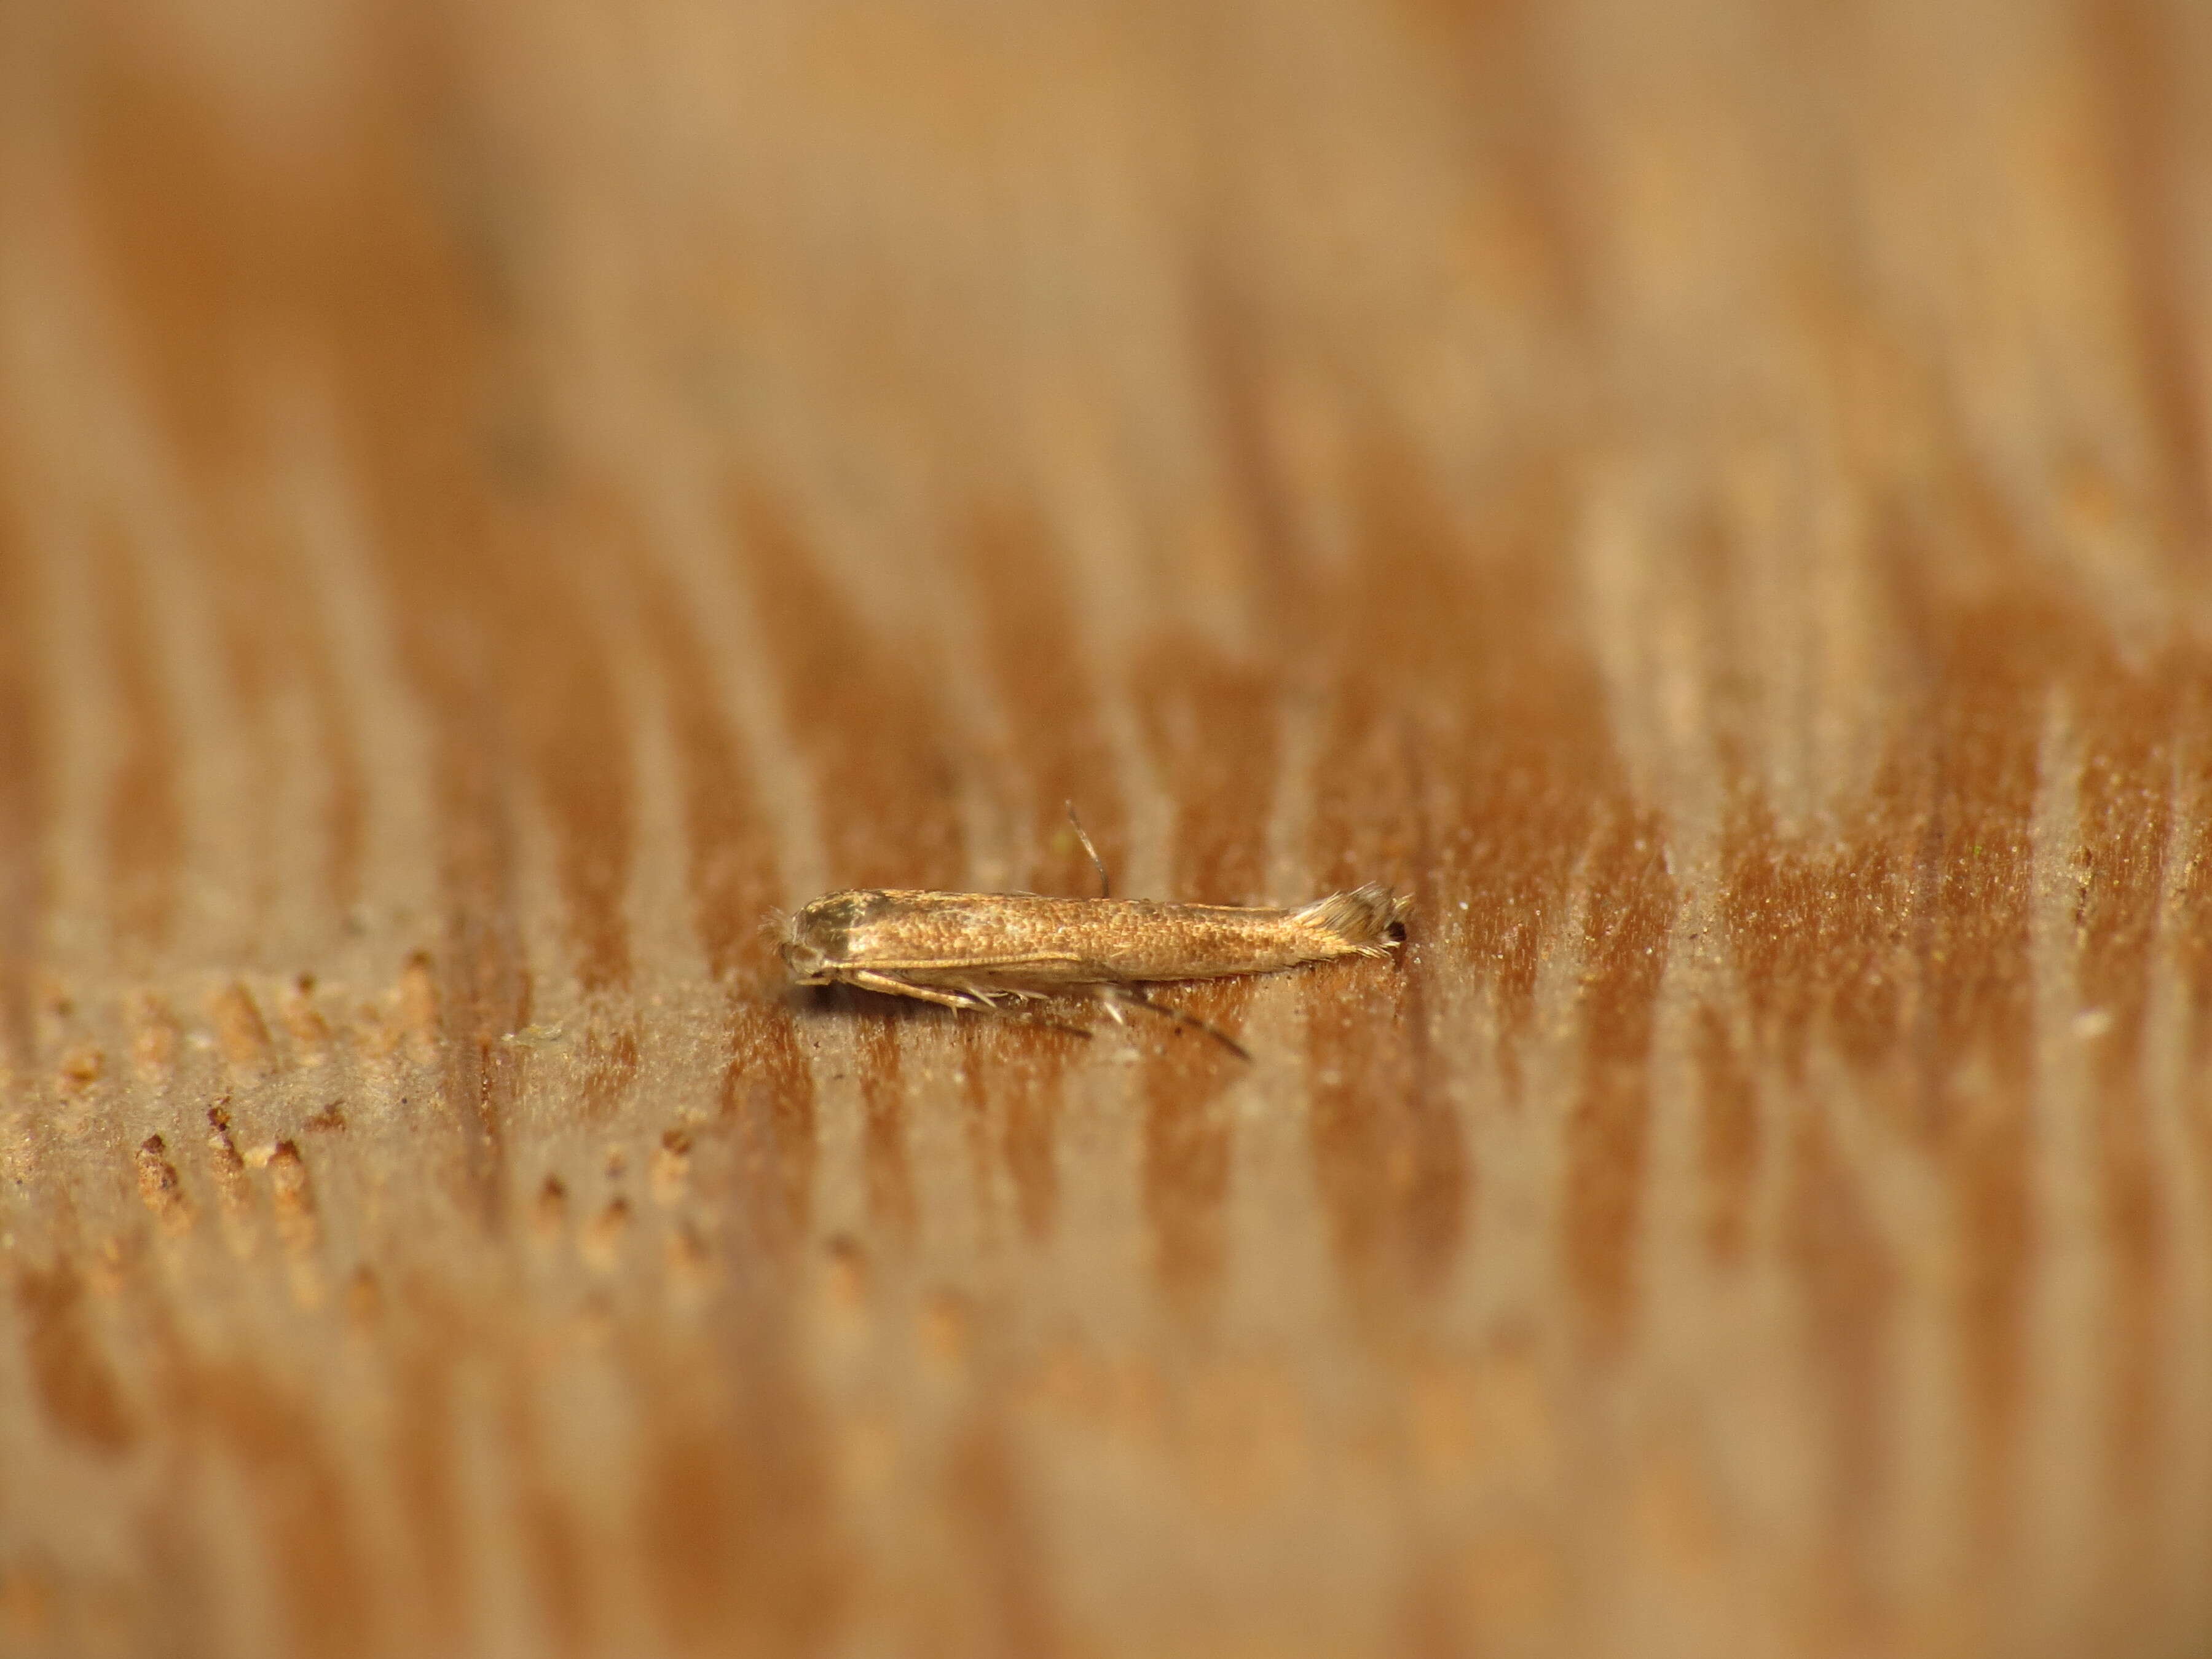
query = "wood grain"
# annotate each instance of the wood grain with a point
(1713, 500)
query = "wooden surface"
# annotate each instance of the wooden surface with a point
(1713, 499)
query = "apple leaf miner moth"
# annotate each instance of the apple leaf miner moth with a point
(985, 951)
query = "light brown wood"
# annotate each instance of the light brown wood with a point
(1711, 499)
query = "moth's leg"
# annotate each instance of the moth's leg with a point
(971, 999)
(1135, 997)
(998, 997)
(891, 985)
(1105, 990)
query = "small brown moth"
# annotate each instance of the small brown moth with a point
(983, 950)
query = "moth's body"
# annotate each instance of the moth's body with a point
(972, 950)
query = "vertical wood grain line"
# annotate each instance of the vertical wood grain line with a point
(144, 819)
(277, 648)
(1627, 927)
(1213, 731)
(1848, 1276)
(484, 987)
(859, 708)
(23, 804)
(1039, 659)
(2144, 76)
(767, 1091)
(562, 711)
(2126, 813)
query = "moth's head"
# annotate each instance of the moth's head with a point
(818, 941)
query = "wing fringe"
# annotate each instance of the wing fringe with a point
(1370, 920)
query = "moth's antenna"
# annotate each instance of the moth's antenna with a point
(1105, 887)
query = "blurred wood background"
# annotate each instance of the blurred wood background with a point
(1714, 499)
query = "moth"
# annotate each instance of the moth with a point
(986, 951)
